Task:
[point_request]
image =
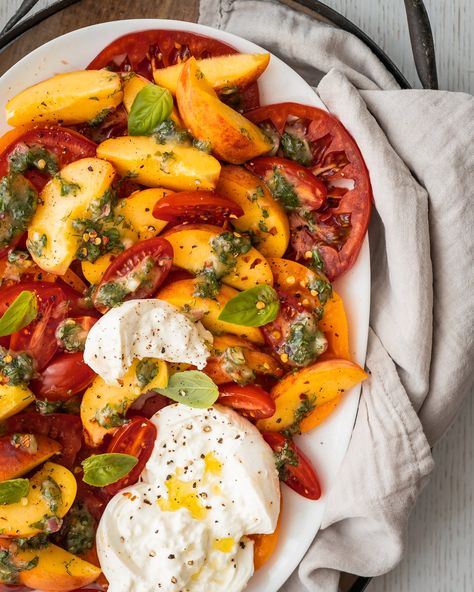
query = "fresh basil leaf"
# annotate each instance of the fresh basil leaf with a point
(103, 469)
(152, 105)
(191, 388)
(252, 308)
(19, 314)
(13, 491)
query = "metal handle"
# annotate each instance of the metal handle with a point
(422, 43)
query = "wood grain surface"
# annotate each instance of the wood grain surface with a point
(440, 549)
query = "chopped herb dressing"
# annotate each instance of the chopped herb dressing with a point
(146, 371)
(235, 365)
(306, 407)
(283, 191)
(71, 336)
(18, 202)
(51, 493)
(16, 367)
(305, 342)
(113, 293)
(11, 566)
(27, 157)
(77, 534)
(286, 456)
(295, 148)
(111, 416)
(226, 247)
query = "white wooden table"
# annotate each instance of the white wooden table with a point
(440, 549)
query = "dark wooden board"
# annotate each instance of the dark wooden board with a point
(90, 12)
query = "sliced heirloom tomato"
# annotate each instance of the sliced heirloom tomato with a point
(136, 438)
(250, 400)
(38, 337)
(294, 335)
(143, 52)
(65, 376)
(62, 427)
(314, 138)
(194, 207)
(295, 468)
(138, 272)
(294, 186)
(65, 144)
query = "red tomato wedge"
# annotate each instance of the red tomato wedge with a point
(144, 265)
(306, 191)
(143, 52)
(318, 140)
(250, 400)
(136, 438)
(62, 427)
(194, 207)
(298, 472)
(65, 376)
(66, 144)
(38, 338)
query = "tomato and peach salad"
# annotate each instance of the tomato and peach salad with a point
(155, 173)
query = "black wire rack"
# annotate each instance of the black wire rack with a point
(420, 37)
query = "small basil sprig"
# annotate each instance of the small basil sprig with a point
(152, 105)
(191, 388)
(19, 314)
(103, 469)
(252, 308)
(13, 491)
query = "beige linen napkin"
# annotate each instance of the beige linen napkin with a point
(418, 149)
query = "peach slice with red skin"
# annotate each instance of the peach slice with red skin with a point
(15, 462)
(232, 137)
(310, 389)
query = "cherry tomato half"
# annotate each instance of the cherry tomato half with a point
(38, 338)
(62, 427)
(136, 438)
(301, 188)
(65, 376)
(250, 400)
(143, 52)
(67, 145)
(299, 472)
(194, 207)
(145, 264)
(313, 137)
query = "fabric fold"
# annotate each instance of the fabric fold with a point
(418, 149)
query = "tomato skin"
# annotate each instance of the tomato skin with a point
(302, 478)
(194, 207)
(66, 144)
(250, 400)
(158, 249)
(144, 51)
(334, 156)
(62, 427)
(65, 376)
(115, 124)
(311, 192)
(38, 338)
(138, 439)
(147, 405)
